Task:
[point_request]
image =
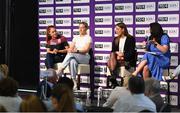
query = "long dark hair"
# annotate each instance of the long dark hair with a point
(48, 36)
(123, 26)
(156, 32)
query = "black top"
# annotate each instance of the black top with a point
(58, 45)
(129, 50)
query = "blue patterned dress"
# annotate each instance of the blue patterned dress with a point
(156, 63)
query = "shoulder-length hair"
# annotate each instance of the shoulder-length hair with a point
(123, 26)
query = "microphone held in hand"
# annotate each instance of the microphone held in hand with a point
(147, 38)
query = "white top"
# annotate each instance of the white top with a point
(134, 103)
(122, 43)
(116, 93)
(11, 104)
(81, 42)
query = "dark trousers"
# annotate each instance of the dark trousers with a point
(51, 59)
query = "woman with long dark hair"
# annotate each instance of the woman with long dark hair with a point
(157, 56)
(123, 52)
(56, 47)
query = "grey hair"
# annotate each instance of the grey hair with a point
(152, 86)
(53, 72)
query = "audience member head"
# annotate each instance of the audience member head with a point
(32, 104)
(8, 87)
(156, 31)
(67, 81)
(51, 33)
(53, 78)
(152, 87)
(62, 98)
(136, 85)
(2, 108)
(3, 71)
(121, 29)
(83, 27)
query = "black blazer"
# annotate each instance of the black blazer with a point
(130, 54)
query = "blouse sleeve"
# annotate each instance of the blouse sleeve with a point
(165, 40)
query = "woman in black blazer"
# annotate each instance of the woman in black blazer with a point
(123, 52)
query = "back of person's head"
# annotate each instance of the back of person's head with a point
(67, 81)
(2, 108)
(136, 85)
(53, 78)
(62, 98)
(8, 87)
(32, 104)
(3, 71)
(152, 86)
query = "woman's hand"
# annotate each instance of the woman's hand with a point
(120, 55)
(72, 50)
(55, 51)
(153, 42)
(144, 43)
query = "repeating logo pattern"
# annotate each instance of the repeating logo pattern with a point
(101, 16)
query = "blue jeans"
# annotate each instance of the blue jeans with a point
(73, 59)
(51, 59)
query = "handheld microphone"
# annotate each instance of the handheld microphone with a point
(147, 38)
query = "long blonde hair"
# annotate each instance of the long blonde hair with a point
(4, 69)
(32, 103)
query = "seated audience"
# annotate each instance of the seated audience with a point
(56, 47)
(152, 90)
(137, 101)
(52, 80)
(117, 92)
(62, 98)
(32, 103)
(157, 57)
(123, 53)
(8, 94)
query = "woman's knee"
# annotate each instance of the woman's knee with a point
(73, 61)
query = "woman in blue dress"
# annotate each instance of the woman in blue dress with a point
(157, 57)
